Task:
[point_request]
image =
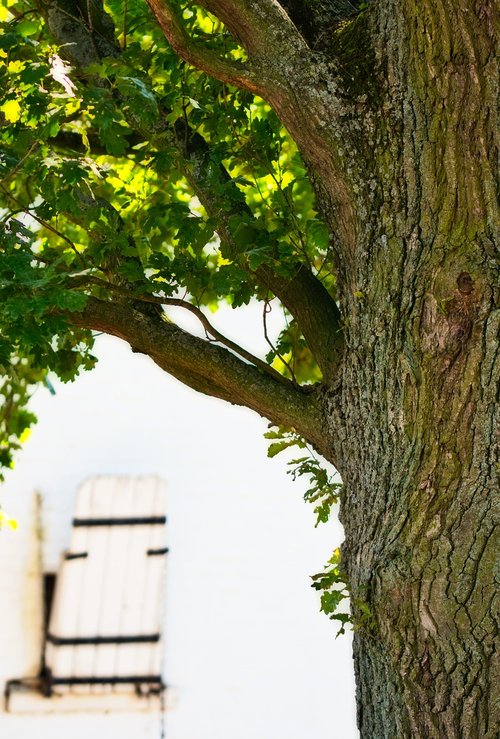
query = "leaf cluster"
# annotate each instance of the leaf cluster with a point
(333, 586)
(17, 380)
(97, 197)
(323, 491)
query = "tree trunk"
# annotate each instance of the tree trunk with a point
(417, 430)
(393, 110)
(394, 113)
(414, 415)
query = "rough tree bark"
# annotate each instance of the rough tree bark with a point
(416, 405)
(393, 109)
(394, 114)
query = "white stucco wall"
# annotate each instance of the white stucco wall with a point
(248, 655)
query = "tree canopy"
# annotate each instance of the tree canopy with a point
(131, 181)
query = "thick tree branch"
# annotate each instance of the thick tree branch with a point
(261, 26)
(179, 303)
(206, 367)
(201, 57)
(301, 292)
(84, 29)
(317, 19)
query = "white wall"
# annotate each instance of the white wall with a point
(248, 654)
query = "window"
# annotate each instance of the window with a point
(105, 620)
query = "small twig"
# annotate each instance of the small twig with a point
(44, 224)
(19, 16)
(179, 302)
(35, 145)
(267, 309)
(125, 10)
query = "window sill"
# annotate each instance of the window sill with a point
(124, 700)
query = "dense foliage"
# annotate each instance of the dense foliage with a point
(95, 193)
(97, 198)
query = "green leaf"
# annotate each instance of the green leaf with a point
(277, 447)
(141, 100)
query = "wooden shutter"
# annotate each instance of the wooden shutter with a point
(105, 627)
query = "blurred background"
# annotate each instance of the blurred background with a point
(247, 653)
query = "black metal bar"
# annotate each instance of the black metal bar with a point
(76, 555)
(114, 679)
(62, 641)
(137, 521)
(157, 552)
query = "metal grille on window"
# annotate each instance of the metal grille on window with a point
(105, 628)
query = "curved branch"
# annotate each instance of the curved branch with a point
(301, 292)
(263, 27)
(316, 19)
(209, 328)
(199, 56)
(206, 367)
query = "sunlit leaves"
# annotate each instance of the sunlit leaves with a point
(138, 98)
(332, 584)
(323, 493)
(11, 110)
(16, 381)
(323, 490)
(95, 188)
(35, 298)
(291, 355)
(7, 521)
